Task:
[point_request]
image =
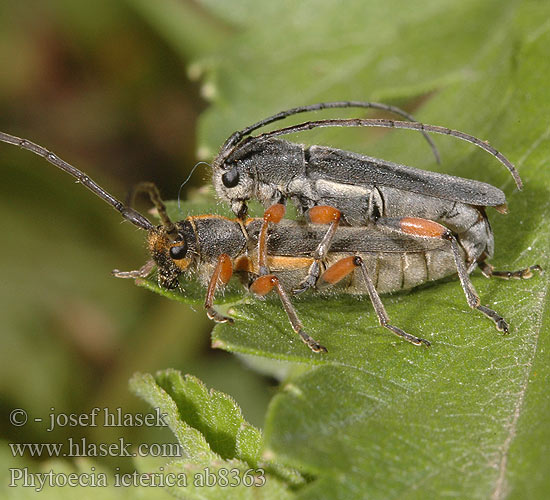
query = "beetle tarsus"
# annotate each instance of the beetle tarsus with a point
(407, 336)
(311, 279)
(502, 326)
(311, 342)
(142, 272)
(500, 322)
(217, 317)
(522, 274)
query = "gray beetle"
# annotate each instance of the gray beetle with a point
(365, 190)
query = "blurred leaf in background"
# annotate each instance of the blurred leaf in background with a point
(105, 86)
(95, 84)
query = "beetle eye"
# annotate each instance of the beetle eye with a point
(230, 178)
(179, 251)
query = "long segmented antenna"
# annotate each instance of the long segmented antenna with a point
(235, 138)
(128, 213)
(375, 122)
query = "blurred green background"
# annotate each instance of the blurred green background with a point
(93, 82)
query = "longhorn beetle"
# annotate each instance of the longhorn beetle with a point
(270, 253)
(362, 188)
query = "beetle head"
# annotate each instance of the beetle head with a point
(234, 182)
(172, 255)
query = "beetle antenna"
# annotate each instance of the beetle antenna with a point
(188, 178)
(235, 138)
(128, 213)
(377, 122)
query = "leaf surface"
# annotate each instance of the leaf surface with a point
(376, 416)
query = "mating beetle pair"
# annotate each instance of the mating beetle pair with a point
(396, 225)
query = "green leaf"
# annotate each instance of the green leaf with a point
(221, 450)
(375, 416)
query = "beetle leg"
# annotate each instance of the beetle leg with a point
(321, 214)
(522, 274)
(263, 285)
(221, 275)
(142, 272)
(273, 214)
(347, 265)
(152, 190)
(425, 228)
